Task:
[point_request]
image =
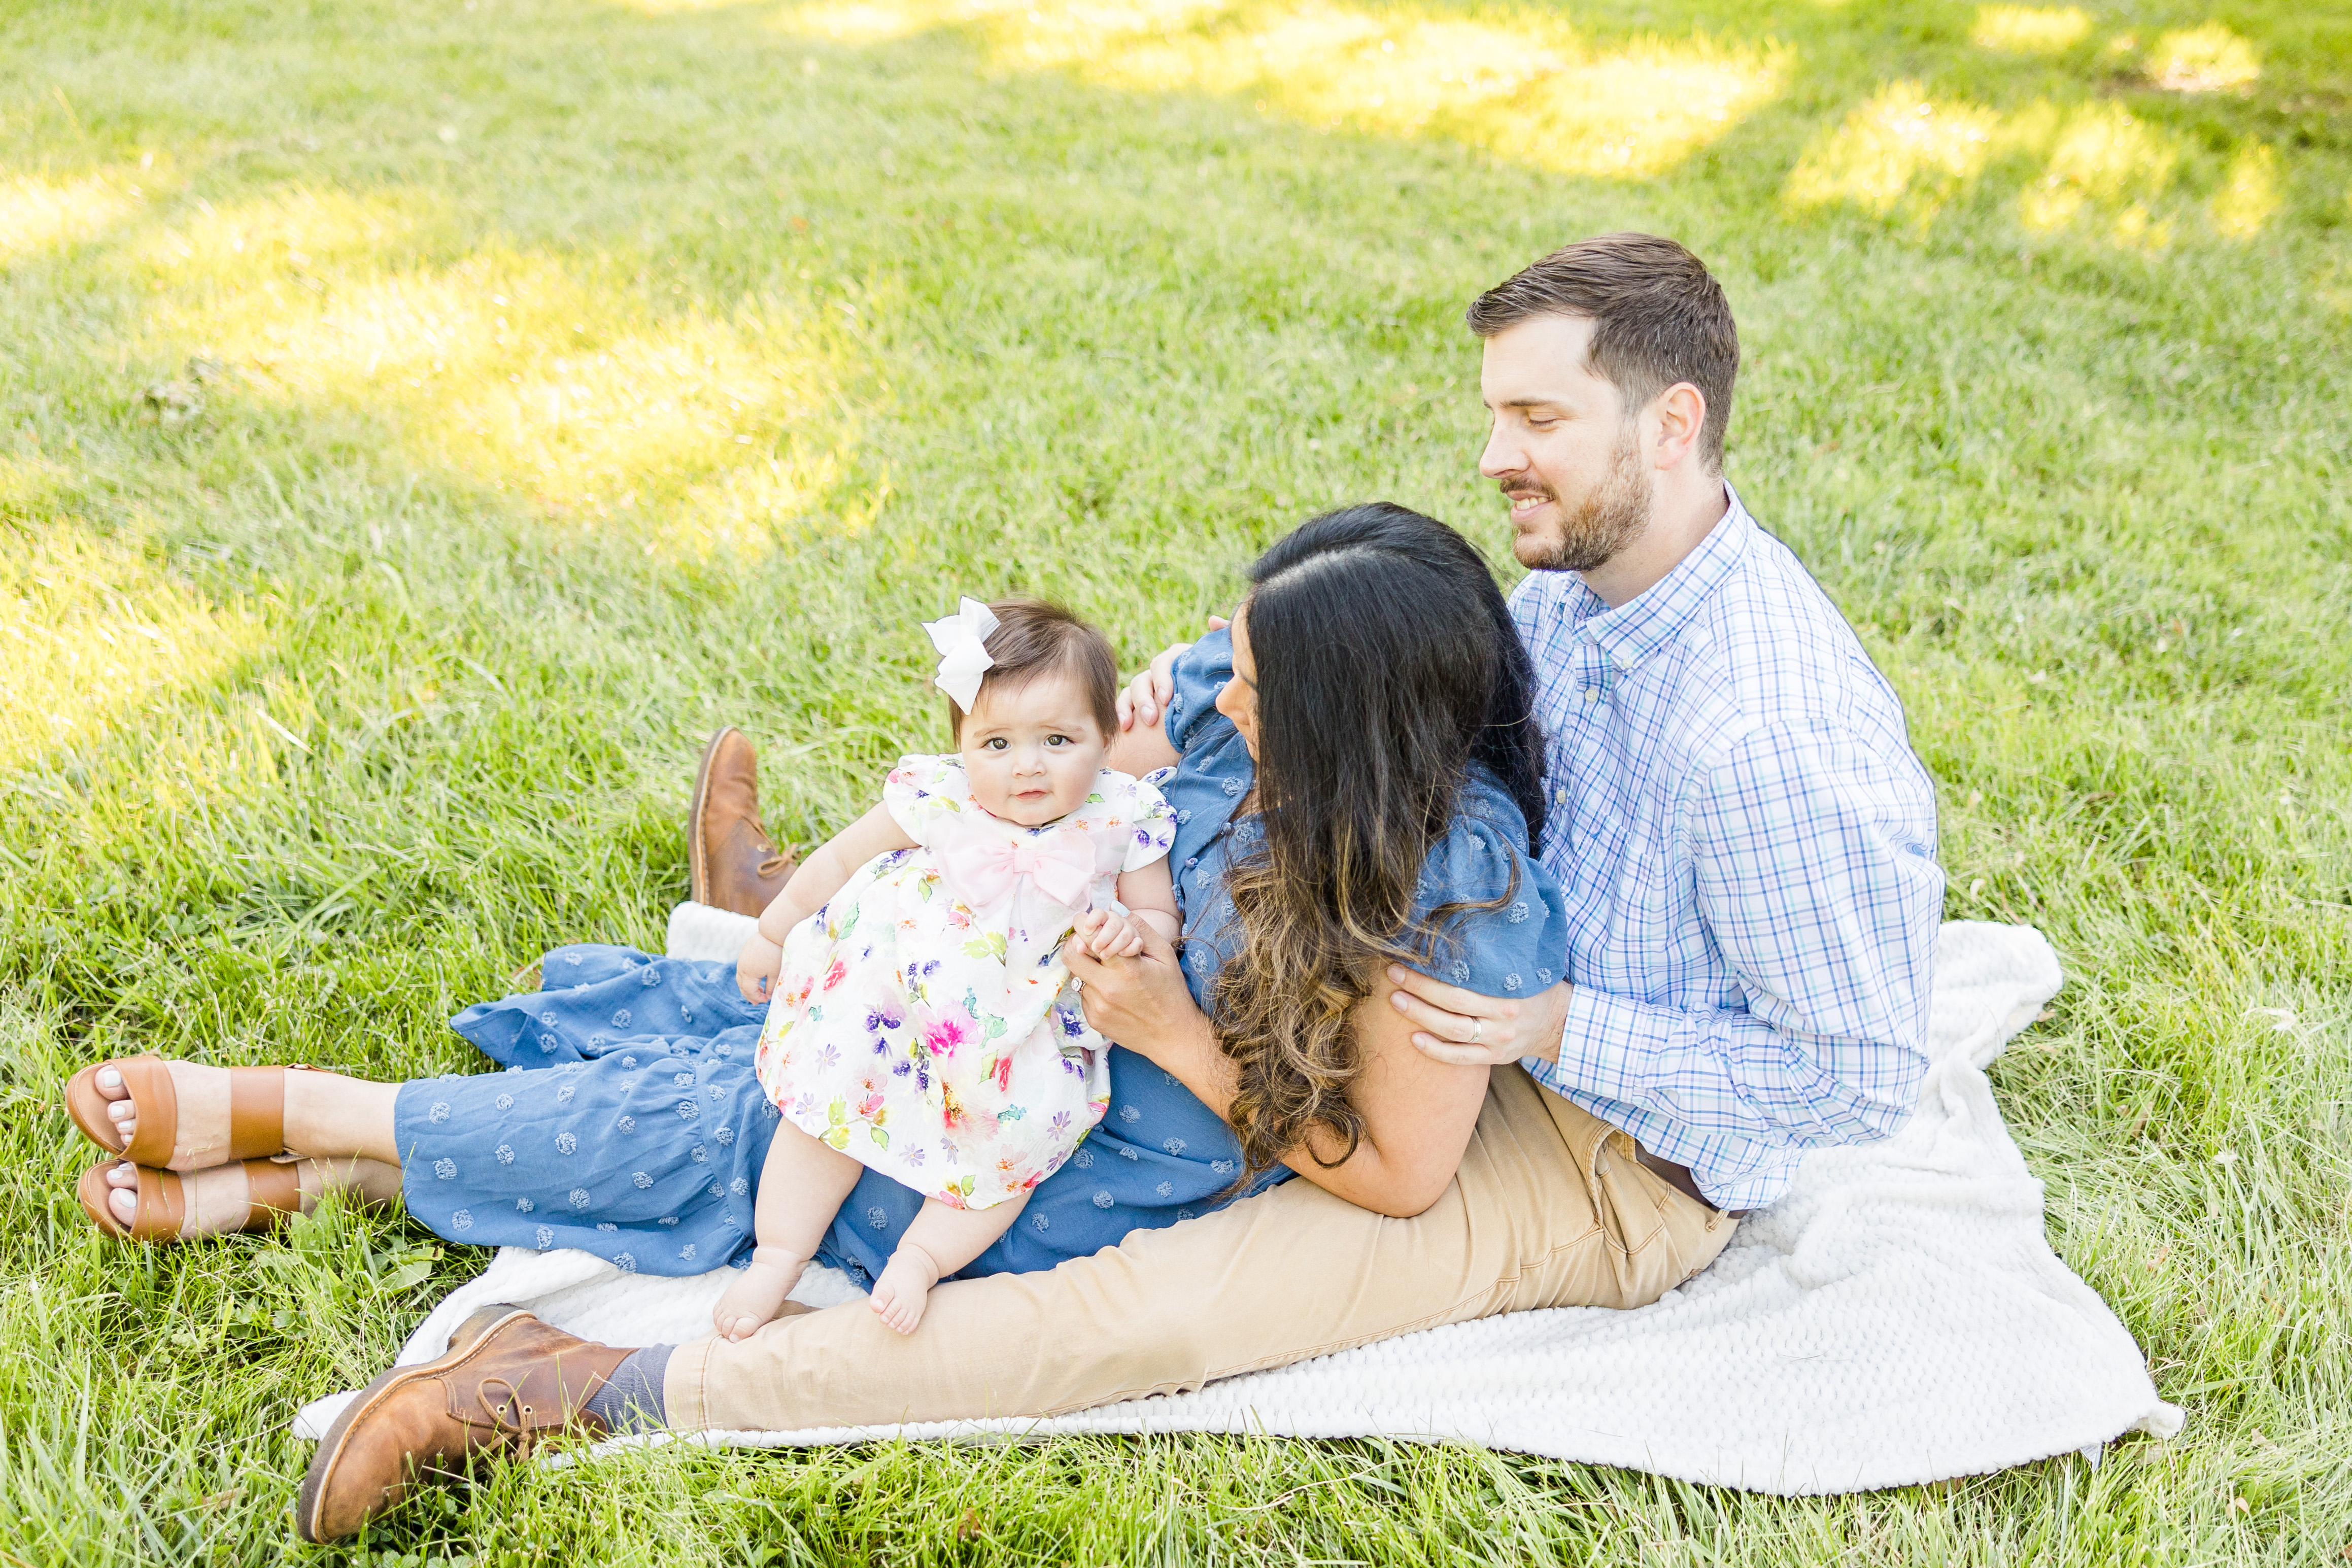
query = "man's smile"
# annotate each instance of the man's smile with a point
(1526, 503)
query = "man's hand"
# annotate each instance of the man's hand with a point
(1467, 1029)
(1146, 696)
(756, 968)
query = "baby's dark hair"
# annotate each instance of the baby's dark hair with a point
(1034, 638)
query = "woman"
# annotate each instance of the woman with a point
(1357, 782)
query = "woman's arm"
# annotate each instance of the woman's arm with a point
(1418, 1113)
(1139, 751)
(1418, 1116)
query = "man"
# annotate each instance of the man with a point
(1748, 847)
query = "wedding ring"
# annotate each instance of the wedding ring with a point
(1477, 1026)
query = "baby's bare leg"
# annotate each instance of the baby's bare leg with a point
(802, 1185)
(939, 1241)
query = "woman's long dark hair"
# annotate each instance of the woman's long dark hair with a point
(1387, 664)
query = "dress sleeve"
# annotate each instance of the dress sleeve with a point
(1192, 719)
(923, 789)
(1516, 948)
(1150, 827)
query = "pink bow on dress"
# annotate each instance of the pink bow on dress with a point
(984, 869)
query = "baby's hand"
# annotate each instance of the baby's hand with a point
(757, 1294)
(1108, 934)
(756, 968)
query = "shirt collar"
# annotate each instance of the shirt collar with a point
(1655, 617)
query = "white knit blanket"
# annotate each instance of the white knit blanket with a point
(1896, 1318)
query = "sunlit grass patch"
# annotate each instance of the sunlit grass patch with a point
(92, 634)
(38, 214)
(1902, 140)
(1529, 90)
(519, 372)
(2249, 197)
(291, 238)
(2108, 161)
(2029, 29)
(2104, 170)
(2210, 58)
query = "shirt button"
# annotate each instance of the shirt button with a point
(1190, 861)
(1592, 694)
(1560, 797)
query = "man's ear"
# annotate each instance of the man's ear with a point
(1681, 413)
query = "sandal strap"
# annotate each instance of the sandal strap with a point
(257, 1112)
(162, 1206)
(148, 1080)
(273, 1191)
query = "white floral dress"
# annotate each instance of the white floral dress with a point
(924, 1022)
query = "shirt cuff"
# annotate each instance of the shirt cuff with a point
(1602, 1041)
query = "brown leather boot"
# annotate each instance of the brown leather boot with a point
(731, 862)
(507, 1381)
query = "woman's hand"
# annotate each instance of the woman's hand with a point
(1141, 1002)
(756, 968)
(1146, 696)
(1467, 1029)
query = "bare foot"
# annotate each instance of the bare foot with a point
(906, 1284)
(217, 1199)
(202, 1136)
(758, 1293)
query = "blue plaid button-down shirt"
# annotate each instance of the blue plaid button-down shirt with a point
(1749, 849)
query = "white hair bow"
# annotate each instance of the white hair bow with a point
(962, 639)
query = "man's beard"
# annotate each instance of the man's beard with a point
(1611, 515)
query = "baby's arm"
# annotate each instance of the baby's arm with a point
(821, 876)
(1151, 898)
(1151, 901)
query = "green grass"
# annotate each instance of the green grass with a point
(579, 377)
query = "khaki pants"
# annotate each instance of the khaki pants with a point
(1550, 1209)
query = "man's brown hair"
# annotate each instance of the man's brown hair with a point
(1034, 638)
(1659, 317)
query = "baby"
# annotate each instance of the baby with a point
(921, 1020)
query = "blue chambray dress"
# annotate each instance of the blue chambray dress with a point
(630, 1123)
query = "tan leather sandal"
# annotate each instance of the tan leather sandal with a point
(273, 1192)
(257, 1112)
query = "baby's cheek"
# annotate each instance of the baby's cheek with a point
(987, 780)
(1075, 782)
